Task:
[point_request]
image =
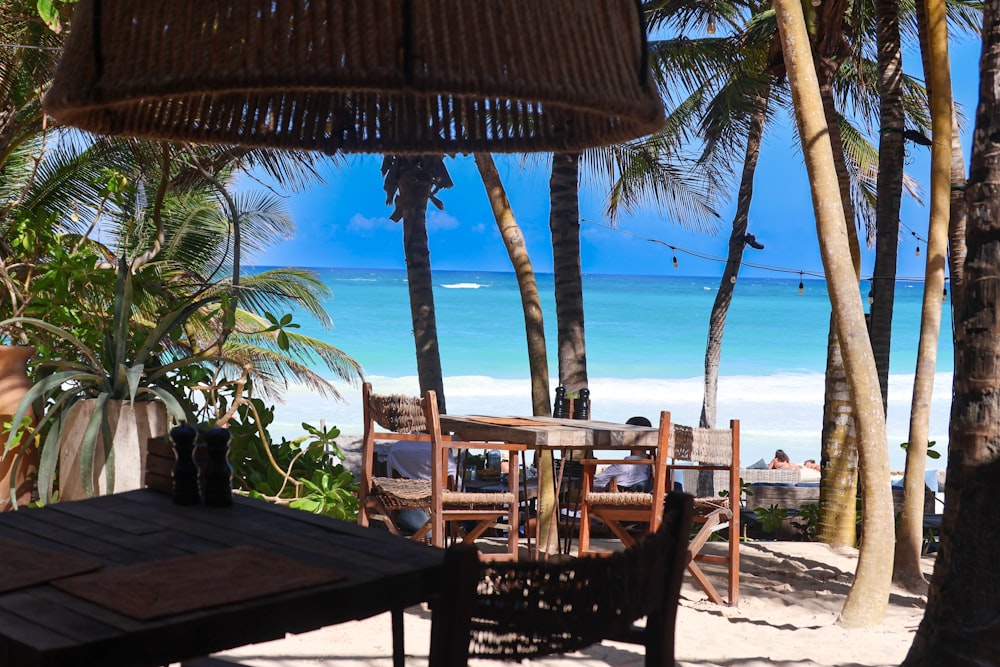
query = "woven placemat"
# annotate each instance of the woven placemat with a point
(508, 421)
(199, 581)
(23, 565)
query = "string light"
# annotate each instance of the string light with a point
(75, 215)
(816, 3)
(871, 298)
(732, 279)
(802, 287)
(676, 264)
(711, 25)
(918, 251)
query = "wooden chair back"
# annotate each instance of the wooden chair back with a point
(452, 506)
(390, 417)
(704, 449)
(621, 511)
(530, 609)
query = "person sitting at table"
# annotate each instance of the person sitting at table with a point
(781, 462)
(411, 459)
(628, 476)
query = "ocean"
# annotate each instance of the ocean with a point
(646, 339)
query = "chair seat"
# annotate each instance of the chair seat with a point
(705, 505)
(623, 498)
(476, 499)
(402, 493)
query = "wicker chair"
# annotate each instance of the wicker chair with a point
(380, 498)
(514, 611)
(703, 449)
(620, 511)
(485, 510)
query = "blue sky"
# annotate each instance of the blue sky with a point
(345, 223)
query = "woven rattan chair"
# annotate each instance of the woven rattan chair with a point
(380, 497)
(712, 450)
(530, 609)
(486, 510)
(621, 511)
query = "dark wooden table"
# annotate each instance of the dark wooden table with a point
(43, 626)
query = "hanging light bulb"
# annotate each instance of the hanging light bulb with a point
(816, 3)
(918, 251)
(871, 298)
(676, 265)
(946, 291)
(802, 288)
(711, 25)
(732, 279)
(75, 215)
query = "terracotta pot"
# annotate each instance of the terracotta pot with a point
(132, 425)
(14, 384)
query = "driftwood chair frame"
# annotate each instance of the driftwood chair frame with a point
(614, 508)
(449, 506)
(530, 609)
(710, 450)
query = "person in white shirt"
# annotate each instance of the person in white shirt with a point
(628, 477)
(412, 459)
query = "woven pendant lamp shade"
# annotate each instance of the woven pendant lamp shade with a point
(375, 76)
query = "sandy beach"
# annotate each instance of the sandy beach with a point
(790, 596)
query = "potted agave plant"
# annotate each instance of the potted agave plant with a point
(99, 407)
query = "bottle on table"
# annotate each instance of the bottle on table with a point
(185, 474)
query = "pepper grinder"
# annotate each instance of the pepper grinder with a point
(559, 409)
(218, 472)
(582, 408)
(185, 475)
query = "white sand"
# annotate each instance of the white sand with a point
(791, 594)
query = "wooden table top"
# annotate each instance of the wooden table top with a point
(44, 626)
(551, 433)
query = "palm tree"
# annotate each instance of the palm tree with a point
(410, 183)
(869, 596)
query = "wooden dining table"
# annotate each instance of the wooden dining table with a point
(134, 580)
(547, 435)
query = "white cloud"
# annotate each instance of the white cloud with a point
(359, 224)
(441, 220)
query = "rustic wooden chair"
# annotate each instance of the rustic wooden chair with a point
(621, 511)
(380, 498)
(530, 609)
(704, 449)
(485, 510)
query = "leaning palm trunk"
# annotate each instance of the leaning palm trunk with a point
(961, 626)
(889, 186)
(839, 486)
(869, 596)
(908, 541)
(839, 482)
(530, 302)
(737, 242)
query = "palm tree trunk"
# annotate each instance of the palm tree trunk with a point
(531, 303)
(868, 599)
(838, 491)
(737, 242)
(564, 223)
(889, 187)
(960, 625)
(414, 193)
(908, 541)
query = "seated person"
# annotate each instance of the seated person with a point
(781, 461)
(412, 459)
(628, 477)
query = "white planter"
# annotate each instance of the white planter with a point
(132, 424)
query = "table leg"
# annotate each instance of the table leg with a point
(398, 652)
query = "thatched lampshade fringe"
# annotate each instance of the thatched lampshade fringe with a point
(397, 76)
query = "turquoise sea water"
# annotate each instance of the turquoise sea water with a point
(646, 340)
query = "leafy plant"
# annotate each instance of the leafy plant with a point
(305, 473)
(746, 490)
(771, 517)
(129, 366)
(931, 452)
(810, 514)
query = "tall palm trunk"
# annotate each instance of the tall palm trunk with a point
(839, 487)
(414, 180)
(960, 626)
(907, 560)
(737, 242)
(564, 223)
(889, 186)
(869, 596)
(531, 303)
